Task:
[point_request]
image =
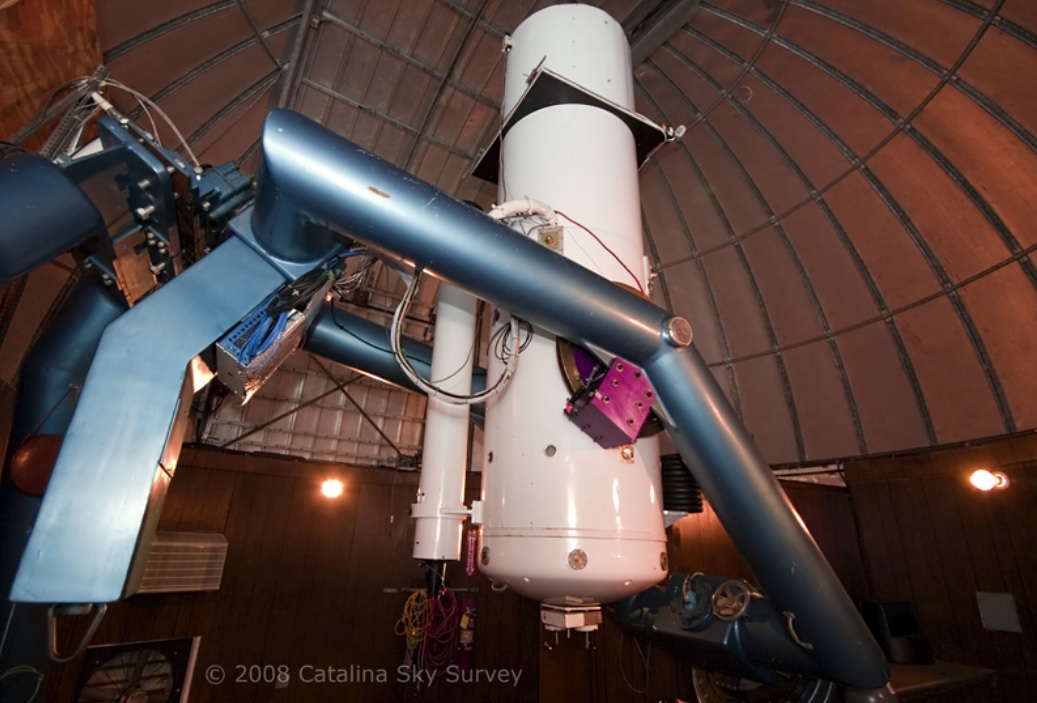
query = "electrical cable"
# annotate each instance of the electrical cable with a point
(41, 117)
(145, 99)
(25, 669)
(412, 623)
(300, 290)
(433, 391)
(357, 275)
(644, 661)
(6, 146)
(439, 647)
(503, 214)
(355, 335)
(648, 664)
(606, 248)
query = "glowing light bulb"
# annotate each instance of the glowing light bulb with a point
(988, 480)
(332, 488)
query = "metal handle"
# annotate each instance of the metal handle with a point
(52, 626)
(790, 626)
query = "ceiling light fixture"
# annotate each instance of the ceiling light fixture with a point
(332, 488)
(988, 480)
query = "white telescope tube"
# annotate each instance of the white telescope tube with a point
(439, 510)
(563, 520)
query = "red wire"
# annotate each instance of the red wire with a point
(441, 631)
(605, 247)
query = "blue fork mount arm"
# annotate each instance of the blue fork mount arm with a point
(314, 175)
(122, 443)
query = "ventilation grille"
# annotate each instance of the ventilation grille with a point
(184, 561)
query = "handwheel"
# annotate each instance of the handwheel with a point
(731, 599)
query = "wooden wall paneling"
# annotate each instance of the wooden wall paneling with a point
(1011, 531)
(868, 500)
(990, 576)
(276, 527)
(624, 668)
(928, 589)
(198, 615)
(633, 658)
(285, 500)
(956, 541)
(1023, 645)
(565, 666)
(380, 559)
(682, 544)
(320, 527)
(182, 483)
(319, 627)
(256, 526)
(214, 649)
(1016, 519)
(1002, 550)
(520, 645)
(207, 511)
(665, 673)
(528, 646)
(201, 497)
(960, 577)
(295, 562)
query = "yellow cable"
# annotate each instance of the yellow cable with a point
(412, 622)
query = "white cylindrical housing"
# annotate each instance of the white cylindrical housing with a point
(564, 520)
(439, 510)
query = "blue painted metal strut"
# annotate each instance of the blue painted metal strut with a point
(124, 438)
(322, 178)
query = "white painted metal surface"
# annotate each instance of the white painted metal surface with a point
(562, 519)
(440, 508)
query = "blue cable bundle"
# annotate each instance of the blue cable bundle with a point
(264, 338)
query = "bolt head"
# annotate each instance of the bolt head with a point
(677, 332)
(577, 559)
